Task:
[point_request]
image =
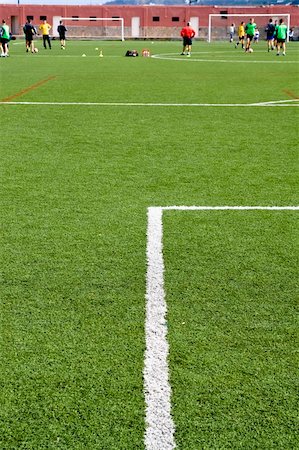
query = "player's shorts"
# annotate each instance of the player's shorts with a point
(241, 38)
(281, 41)
(29, 37)
(62, 37)
(270, 38)
(4, 41)
(187, 41)
(249, 36)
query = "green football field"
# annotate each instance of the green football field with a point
(129, 320)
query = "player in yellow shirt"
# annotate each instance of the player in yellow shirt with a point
(45, 28)
(241, 34)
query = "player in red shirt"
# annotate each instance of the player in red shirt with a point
(187, 34)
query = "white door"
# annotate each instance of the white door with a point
(194, 21)
(135, 27)
(55, 24)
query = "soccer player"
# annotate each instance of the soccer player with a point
(45, 28)
(291, 34)
(270, 29)
(61, 31)
(29, 32)
(241, 35)
(281, 35)
(231, 32)
(275, 33)
(4, 40)
(250, 30)
(256, 36)
(187, 34)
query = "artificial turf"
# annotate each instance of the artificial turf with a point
(76, 181)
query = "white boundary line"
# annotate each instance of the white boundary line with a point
(160, 428)
(274, 103)
(159, 424)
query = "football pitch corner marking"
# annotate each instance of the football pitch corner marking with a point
(160, 428)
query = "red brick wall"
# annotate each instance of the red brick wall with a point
(165, 27)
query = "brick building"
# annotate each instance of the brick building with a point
(143, 22)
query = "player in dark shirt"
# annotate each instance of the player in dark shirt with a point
(61, 31)
(29, 32)
(270, 30)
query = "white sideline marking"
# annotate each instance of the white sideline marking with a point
(159, 433)
(160, 428)
(274, 103)
(229, 208)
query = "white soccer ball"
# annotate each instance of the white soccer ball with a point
(250, 50)
(35, 50)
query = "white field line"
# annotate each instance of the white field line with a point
(274, 103)
(248, 60)
(160, 428)
(66, 56)
(228, 208)
(159, 433)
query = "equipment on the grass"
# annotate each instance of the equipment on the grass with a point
(146, 53)
(95, 28)
(131, 53)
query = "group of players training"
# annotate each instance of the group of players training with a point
(30, 31)
(44, 28)
(276, 35)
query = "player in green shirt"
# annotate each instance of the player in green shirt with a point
(281, 36)
(4, 39)
(250, 30)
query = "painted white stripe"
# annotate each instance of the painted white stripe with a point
(275, 102)
(67, 56)
(194, 58)
(280, 103)
(160, 429)
(230, 208)
(159, 424)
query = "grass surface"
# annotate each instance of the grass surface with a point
(233, 328)
(75, 184)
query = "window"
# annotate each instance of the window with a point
(29, 17)
(156, 19)
(92, 18)
(42, 17)
(223, 14)
(75, 17)
(175, 19)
